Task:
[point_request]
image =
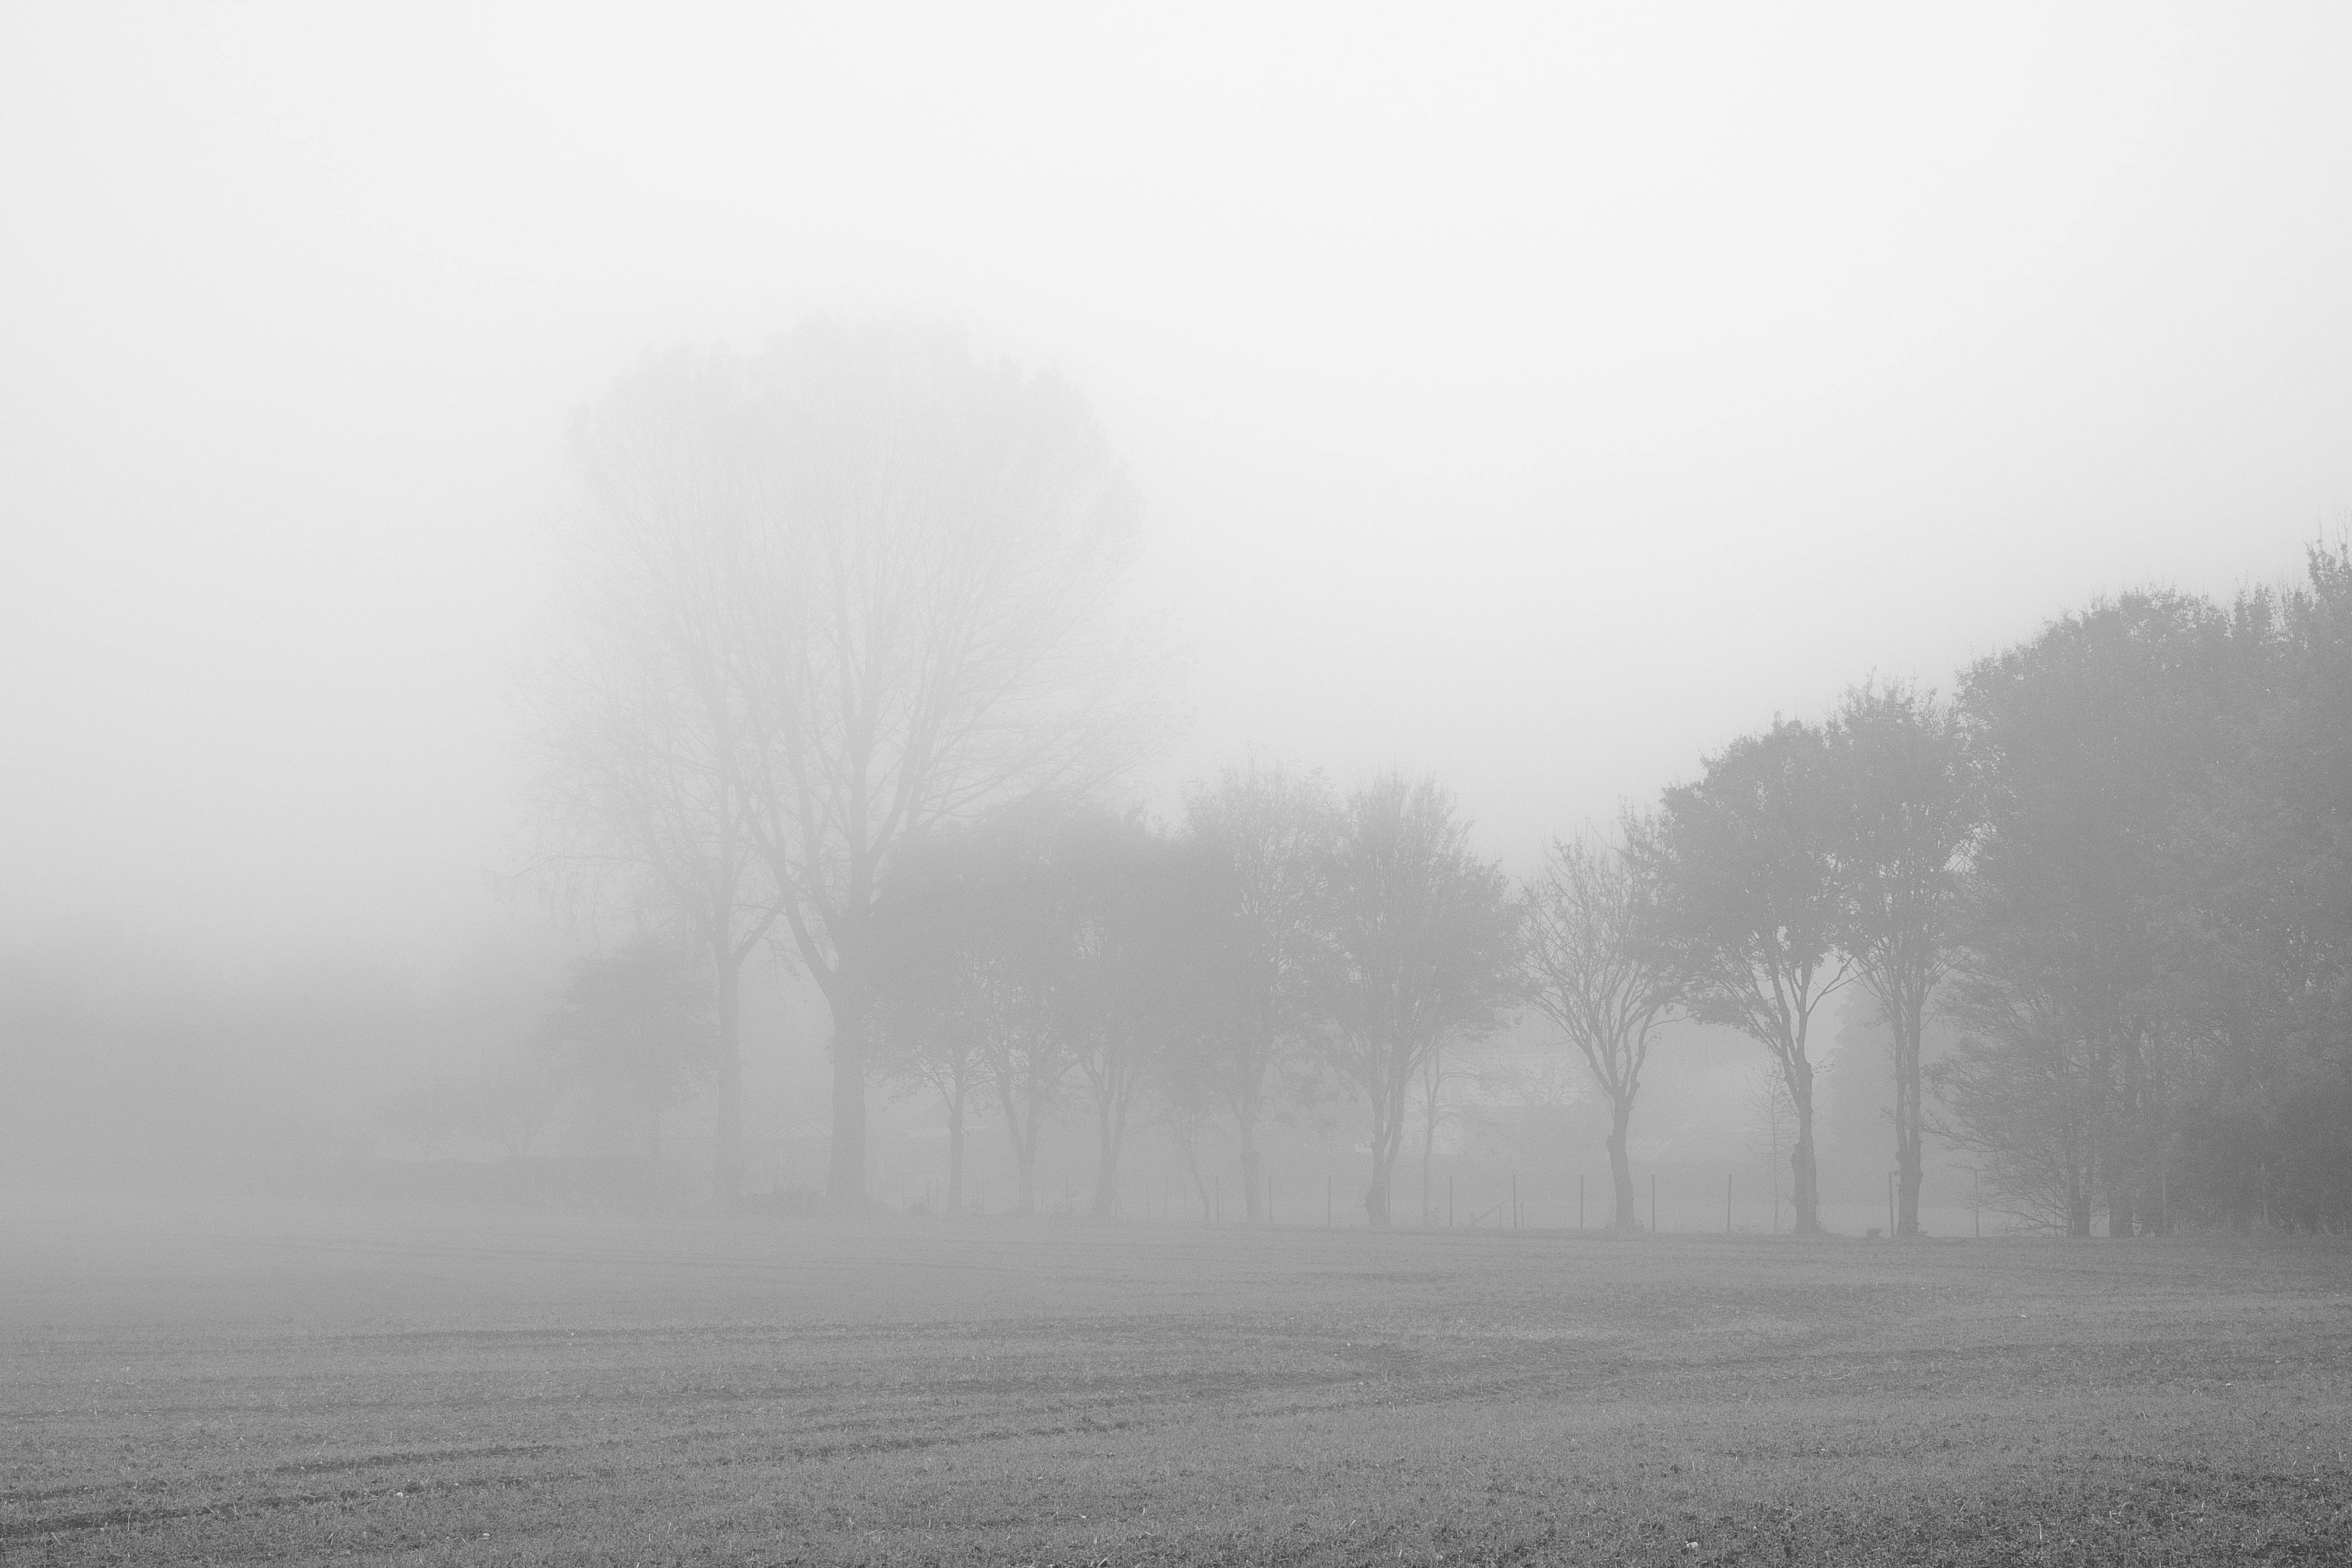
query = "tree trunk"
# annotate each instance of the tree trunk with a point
(1387, 1124)
(1428, 1148)
(1621, 1169)
(1111, 1129)
(845, 1183)
(1908, 1119)
(1805, 1174)
(1252, 1183)
(1025, 1154)
(955, 1153)
(727, 1176)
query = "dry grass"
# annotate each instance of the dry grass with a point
(202, 1387)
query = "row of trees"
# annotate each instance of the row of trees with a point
(1053, 948)
(847, 664)
(2117, 868)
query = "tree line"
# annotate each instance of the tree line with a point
(847, 678)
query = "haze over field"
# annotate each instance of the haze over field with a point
(1540, 400)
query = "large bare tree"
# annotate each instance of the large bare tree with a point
(1599, 968)
(944, 536)
(1421, 950)
(860, 583)
(653, 760)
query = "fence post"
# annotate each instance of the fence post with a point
(1654, 1203)
(1727, 1203)
(1515, 1200)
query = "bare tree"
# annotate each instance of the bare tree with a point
(944, 537)
(1421, 950)
(1746, 865)
(653, 767)
(1599, 969)
(1272, 833)
(1910, 816)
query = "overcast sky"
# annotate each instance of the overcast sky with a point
(1541, 399)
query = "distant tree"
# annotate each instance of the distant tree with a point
(1421, 950)
(1271, 832)
(634, 1029)
(944, 537)
(933, 950)
(1602, 969)
(1147, 926)
(653, 763)
(509, 1101)
(1910, 813)
(1747, 864)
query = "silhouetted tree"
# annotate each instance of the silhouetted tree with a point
(2098, 741)
(1602, 968)
(1271, 831)
(1745, 862)
(654, 763)
(1910, 814)
(633, 1028)
(1420, 950)
(943, 536)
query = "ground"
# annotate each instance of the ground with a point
(198, 1386)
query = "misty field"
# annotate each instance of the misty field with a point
(205, 1386)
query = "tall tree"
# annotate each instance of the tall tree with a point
(1602, 970)
(1910, 814)
(944, 537)
(654, 759)
(2098, 741)
(1271, 831)
(1746, 862)
(1420, 950)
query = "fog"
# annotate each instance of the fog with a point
(1538, 400)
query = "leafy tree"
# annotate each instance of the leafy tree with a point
(1603, 970)
(1911, 812)
(634, 1029)
(1746, 864)
(2098, 741)
(1421, 950)
(1270, 833)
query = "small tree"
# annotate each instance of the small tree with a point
(1601, 969)
(1751, 889)
(1271, 834)
(1420, 950)
(931, 959)
(633, 1028)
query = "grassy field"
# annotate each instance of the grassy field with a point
(203, 1386)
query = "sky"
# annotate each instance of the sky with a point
(1538, 396)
